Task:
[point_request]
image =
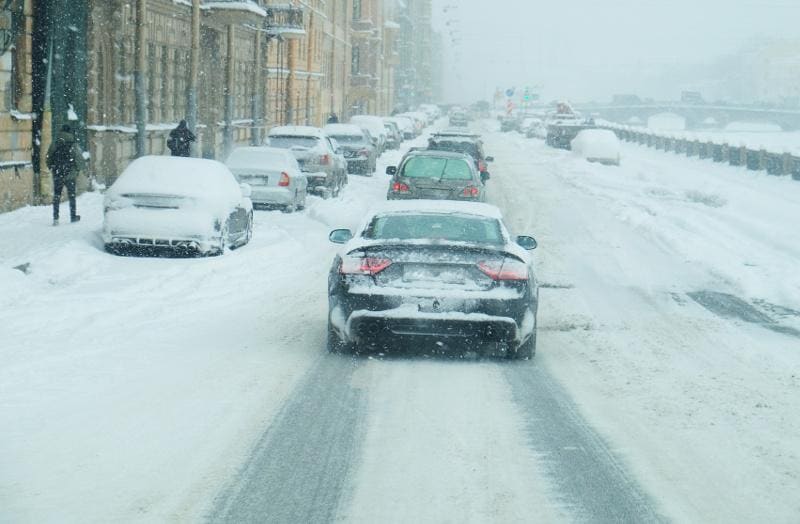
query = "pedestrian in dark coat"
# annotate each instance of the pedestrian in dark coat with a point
(65, 161)
(333, 118)
(180, 140)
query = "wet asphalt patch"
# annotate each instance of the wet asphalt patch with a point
(726, 305)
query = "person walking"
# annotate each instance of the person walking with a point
(65, 161)
(180, 140)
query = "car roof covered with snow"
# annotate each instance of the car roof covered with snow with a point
(261, 157)
(436, 206)
(455, 132)
(179, 176)
(307, 131)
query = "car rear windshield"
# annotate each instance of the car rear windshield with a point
(287, 142)
(435, 226)
(437, 168)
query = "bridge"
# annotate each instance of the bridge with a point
(696, 115)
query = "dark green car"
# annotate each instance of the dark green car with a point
(436, 175)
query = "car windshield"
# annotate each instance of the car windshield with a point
(437, 168)
(288, 142)
(435, 226)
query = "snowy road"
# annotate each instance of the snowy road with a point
(666, 385)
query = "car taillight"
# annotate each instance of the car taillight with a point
(324, 160)
(399, 187)
(506, 269)
(363, 153)
(363, 265)
(284, 181)
(471, 191)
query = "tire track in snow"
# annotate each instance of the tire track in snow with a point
(590, 480)
(298, 470)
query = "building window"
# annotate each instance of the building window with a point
(166, 113)
(356, 9)
(356, 62)
(152, 83)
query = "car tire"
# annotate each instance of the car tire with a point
(335, 344)
(527, 349)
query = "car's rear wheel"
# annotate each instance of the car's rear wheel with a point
(527, 349)
(336, 344)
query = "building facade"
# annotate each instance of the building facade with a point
(123, 73)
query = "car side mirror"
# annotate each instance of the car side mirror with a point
(391, 170)
(247, 191)
(526, 242)
(490, 159)
(340, 236)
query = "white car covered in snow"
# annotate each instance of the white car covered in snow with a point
(273, 174)
(597, 145)
(373, 124)
(190, 205)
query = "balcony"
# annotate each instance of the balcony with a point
(233, 11)
(285, 21)
(363, 80)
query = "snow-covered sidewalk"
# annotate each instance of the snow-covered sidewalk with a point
(132, 388)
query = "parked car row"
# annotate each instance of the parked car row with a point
(196, 206)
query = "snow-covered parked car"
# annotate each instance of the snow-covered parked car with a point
(190, 205)
(373, 124)
(273, 174)
(316, 153)
(443, 271)
(597, 145)
(359, 151)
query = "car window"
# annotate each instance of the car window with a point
(349, 139)
(438, 168)
(287, 142)
(432, 226)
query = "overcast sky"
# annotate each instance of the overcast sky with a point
(590, 49)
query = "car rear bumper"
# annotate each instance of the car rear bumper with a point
(366, 325)
(358, 165)
(273, 195)
(372, 319)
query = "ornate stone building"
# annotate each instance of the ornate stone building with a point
(123, 73)
(16, 120)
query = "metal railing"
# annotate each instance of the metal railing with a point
(282, 20)
(773, 163)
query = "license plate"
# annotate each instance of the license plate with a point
(445, 275)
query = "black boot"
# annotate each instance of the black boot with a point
(76, 218)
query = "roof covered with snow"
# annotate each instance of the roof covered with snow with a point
(343, 129)
(297, 131)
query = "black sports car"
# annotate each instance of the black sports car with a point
(440, 270)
